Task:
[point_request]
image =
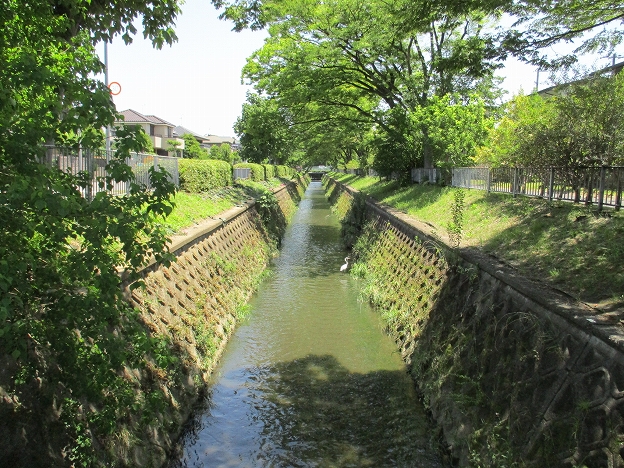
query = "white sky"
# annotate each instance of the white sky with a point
(196, 82)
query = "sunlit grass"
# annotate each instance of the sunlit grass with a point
(192, 208)
(569, 246)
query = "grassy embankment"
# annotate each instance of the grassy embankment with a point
(192, 208)
(570, 246)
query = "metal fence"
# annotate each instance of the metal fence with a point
(241, 173)
(420, 175)
(94, 163)
(601, 186)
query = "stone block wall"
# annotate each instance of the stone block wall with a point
(514, 374)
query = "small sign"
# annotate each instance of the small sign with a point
(115, 88)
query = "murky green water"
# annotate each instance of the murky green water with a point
(310, 379)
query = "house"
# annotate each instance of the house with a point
(160, 131)
(560, 89)
(218, 140)
(202, 140)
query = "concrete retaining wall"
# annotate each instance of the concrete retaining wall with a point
(514, 373)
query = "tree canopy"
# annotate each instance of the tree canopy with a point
(410, 82)
(359, 64)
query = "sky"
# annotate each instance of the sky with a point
(196, 82)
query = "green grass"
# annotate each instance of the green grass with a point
(570, 246)
(192, 208)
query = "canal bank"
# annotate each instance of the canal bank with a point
(193, 306)
(310, 379)
(514, 374)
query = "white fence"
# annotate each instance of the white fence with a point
(94, 163)
(601, 186)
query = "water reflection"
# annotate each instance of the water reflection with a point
(310, 379)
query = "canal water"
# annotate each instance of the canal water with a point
(310, 379)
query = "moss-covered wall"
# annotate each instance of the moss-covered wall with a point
(513, 373)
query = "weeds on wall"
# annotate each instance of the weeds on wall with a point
(272, 216)
(456, 226)
(353, 221)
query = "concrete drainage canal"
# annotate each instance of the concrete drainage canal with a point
(310, 379)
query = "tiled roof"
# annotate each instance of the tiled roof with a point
(158, 120)
(180, 130)
(219, 139)
(132, 116)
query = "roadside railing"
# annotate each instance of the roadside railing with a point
(600, 186)
(94, 163)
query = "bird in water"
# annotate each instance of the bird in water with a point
(344, 267)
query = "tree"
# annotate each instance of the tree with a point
(263, 131)
(60, 254)
(173, 146)
(368, 58)
(192, 148)
(582, 126)
(222, 152)
(595, 26)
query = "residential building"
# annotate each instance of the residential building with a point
(219, 140)
(202, 140)
(159, 130)
(560, 89)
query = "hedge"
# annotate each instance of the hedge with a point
(269, 171)
(201, 175)
(283, 171)
(257, 170)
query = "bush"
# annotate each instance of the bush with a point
(269, 171)
(202, 175)
(257, 170)
(283, 171)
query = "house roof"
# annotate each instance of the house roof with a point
(132, 116)
(180, 130)
(214, 139)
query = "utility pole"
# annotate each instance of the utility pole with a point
(537, 81)
(108, 130)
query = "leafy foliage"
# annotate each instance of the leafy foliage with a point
(583, 125)
(61, 301)
(192, 150)
(224, 153)
(351, 76)
(263, 131)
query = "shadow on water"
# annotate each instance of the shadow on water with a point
(312, 411)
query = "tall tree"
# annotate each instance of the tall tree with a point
(595, 26)
(366, 57)
(263, 131)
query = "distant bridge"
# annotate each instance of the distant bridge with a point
(317, 175)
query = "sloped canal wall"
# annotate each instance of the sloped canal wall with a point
(195, 304)
(514, 374)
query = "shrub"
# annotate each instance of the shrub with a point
(257, 170)
(202, 175)
(283, 171)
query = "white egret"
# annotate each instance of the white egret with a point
(344, 267)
